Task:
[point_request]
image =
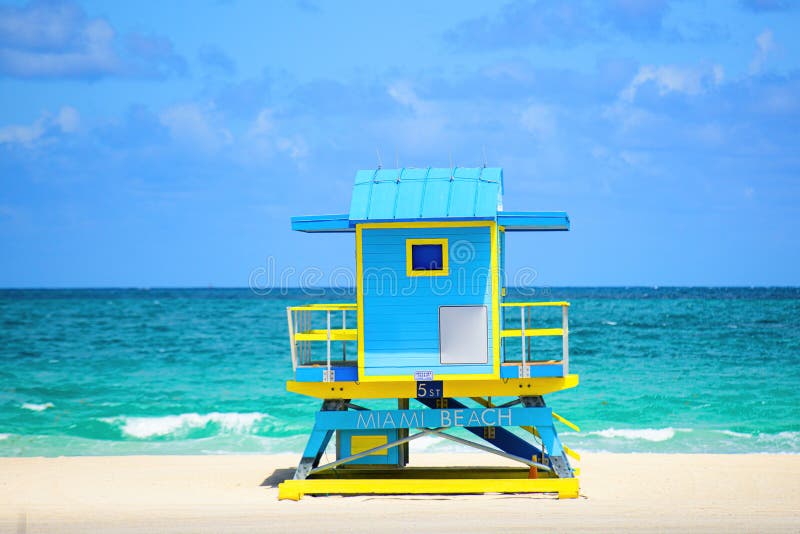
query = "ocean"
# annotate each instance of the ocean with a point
(203, 371)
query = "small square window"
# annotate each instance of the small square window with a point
(426, 257)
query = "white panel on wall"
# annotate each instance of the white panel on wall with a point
(463, 334)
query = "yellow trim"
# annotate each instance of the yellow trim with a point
(573, 455)
(444, 271)
(391, 388)
(494, 272)
(428, 224)
(532, 332)
(337, 334)
(566, 488)
(526, 304)
(570, 424)
(359, 300)
(326, 307)
(364, 443)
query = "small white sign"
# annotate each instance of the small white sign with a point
(524, 371)
(329, 376)
(421, 376)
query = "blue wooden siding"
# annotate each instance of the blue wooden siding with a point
(401, 314)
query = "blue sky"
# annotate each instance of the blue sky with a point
(168, 143)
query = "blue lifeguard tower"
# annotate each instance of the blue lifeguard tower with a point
(431, 324)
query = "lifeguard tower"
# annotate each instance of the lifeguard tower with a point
(431, 325)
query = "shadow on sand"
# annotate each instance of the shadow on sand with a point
(278, 476)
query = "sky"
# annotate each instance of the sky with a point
(151, 144)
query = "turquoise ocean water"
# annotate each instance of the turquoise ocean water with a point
(194, 371)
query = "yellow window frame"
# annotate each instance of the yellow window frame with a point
(444, 271)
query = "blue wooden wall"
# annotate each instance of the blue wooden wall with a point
(401, 313)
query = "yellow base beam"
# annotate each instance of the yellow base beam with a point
(566, 488)
(390, 389)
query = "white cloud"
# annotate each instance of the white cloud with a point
(711, 134)
(56, 43)
(263, 124)
(423, 126)
(539, 120)
(294, 146)
(674, 79)
(264, 139)
(635, 158)
(58, 40)
(628, 116)
(66, 121)
(404, 94)
(764, 45)
(193, 125)
(23, 134)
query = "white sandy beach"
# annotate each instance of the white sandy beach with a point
(631, 492)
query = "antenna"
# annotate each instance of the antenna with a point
(485, 163)
(378, 153)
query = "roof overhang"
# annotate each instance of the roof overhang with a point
(533, 221)
(322, 223)
(512, 221)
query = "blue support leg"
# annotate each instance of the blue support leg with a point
(552, 444)
(317, 442)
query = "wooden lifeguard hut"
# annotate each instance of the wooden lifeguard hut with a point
(431, 325)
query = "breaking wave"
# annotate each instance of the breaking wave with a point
(182, 425)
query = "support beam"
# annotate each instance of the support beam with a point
(503, 439)
(552, 445)
(317, 441)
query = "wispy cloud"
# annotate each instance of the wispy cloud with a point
(768, 5)
(764, 45)
(216, 60)
(539, 120)
(66, 121)
(522, 23)
(195, 126)
(266, 137)
(674, 79)
(58, 40)
(568, 23)
(154, 55)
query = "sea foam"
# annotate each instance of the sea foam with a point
(37, 407)
(147, 427)
(646, 434)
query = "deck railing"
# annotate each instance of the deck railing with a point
(302, 332)
(527, 331)
(304, 328)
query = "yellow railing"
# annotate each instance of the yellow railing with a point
(302, 332)
(525, 331)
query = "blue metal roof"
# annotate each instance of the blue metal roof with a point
(432, 193)
(436, 194)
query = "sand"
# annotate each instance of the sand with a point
(619, 492)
